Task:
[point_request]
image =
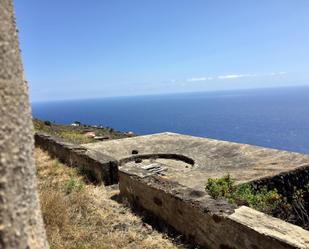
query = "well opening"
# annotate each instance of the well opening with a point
(162, 164)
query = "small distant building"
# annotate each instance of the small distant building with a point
(76, 123)
(130, 133)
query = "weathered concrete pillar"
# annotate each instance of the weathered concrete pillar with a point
(21, 223)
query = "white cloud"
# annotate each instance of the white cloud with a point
(277, 73)
(199, 79)
(235, 76)
(232, 76)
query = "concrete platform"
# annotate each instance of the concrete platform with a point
(190, 160)
(165, 174)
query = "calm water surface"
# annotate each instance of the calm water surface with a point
(277, 118)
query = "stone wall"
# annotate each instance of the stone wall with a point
(211, 223)
(21, 224)
(286, 182)
(103, 168)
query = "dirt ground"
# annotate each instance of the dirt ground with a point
(78, 214)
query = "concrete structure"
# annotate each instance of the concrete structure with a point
(213, 224)
(166, 175)
(101, 168)
(21, 223)
(192, 160)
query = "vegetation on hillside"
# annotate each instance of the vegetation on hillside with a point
(291, 209)
(78, 134)
(80, 215)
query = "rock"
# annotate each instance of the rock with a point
(101, 138)
(90, 134)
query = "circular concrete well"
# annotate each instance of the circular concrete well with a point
(162, 164)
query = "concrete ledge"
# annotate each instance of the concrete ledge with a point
(102, 167)
(288, 235)
(214, 224)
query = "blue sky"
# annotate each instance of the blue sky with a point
(84, 49)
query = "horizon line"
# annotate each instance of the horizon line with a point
(168, 93)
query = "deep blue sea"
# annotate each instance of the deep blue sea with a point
(276, 118)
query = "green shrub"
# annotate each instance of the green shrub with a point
(48, 123)
(73, 185)
(218, 187)
(264, 200)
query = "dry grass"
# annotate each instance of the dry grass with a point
(75, 134)
(79, 215)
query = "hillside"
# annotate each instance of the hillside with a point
(78, 214)
(78, 133)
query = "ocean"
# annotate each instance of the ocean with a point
(276, 118)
